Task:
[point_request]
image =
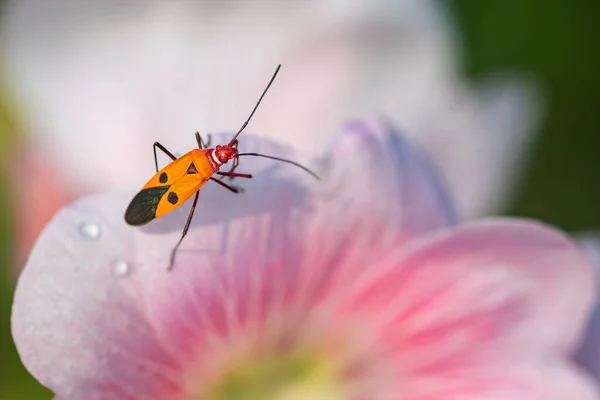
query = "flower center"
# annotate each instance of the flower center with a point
(278, 377)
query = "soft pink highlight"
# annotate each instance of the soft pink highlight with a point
(35, 178)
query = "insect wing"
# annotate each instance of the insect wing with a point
(169, 188)
(171, 172)
(178, 193)
(142, 208)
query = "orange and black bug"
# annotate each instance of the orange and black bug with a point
(182, 178)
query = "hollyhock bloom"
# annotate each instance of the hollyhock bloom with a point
(110, 78)
(360, 286)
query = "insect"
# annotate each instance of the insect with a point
(184, 176)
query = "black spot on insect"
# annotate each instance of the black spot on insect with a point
(142, 208)
(192, 169)
(163, 178)
(172, 198)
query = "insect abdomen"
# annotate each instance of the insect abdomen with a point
(142, 208)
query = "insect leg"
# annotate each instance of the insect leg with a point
(167, 152)
(201, 143)
(226, 186)
(236, 161)
(185, 230)
(234, 175)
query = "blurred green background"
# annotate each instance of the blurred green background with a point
(557, 42)
(554, 41)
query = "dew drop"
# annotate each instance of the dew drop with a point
(120, 268)
(89, 230)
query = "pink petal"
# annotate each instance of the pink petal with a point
(588, 355)
(487, 293)
(557, 381)
(483, 309)
(76, 309)
(547, 380)
(284, 263)
(35, 176)
(80, 300)
(378, 170)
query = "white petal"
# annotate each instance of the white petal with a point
(478, 139)
(110, 79)
(377, 169)
(68, 278)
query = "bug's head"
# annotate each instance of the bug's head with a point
(226, 153)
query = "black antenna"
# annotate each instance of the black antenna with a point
(283, 160)
(256, 106)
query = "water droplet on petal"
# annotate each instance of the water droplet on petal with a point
(120, 268)
(89, 230)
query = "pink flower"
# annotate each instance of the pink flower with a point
(358, 287)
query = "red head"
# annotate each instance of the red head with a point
(225, 153)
